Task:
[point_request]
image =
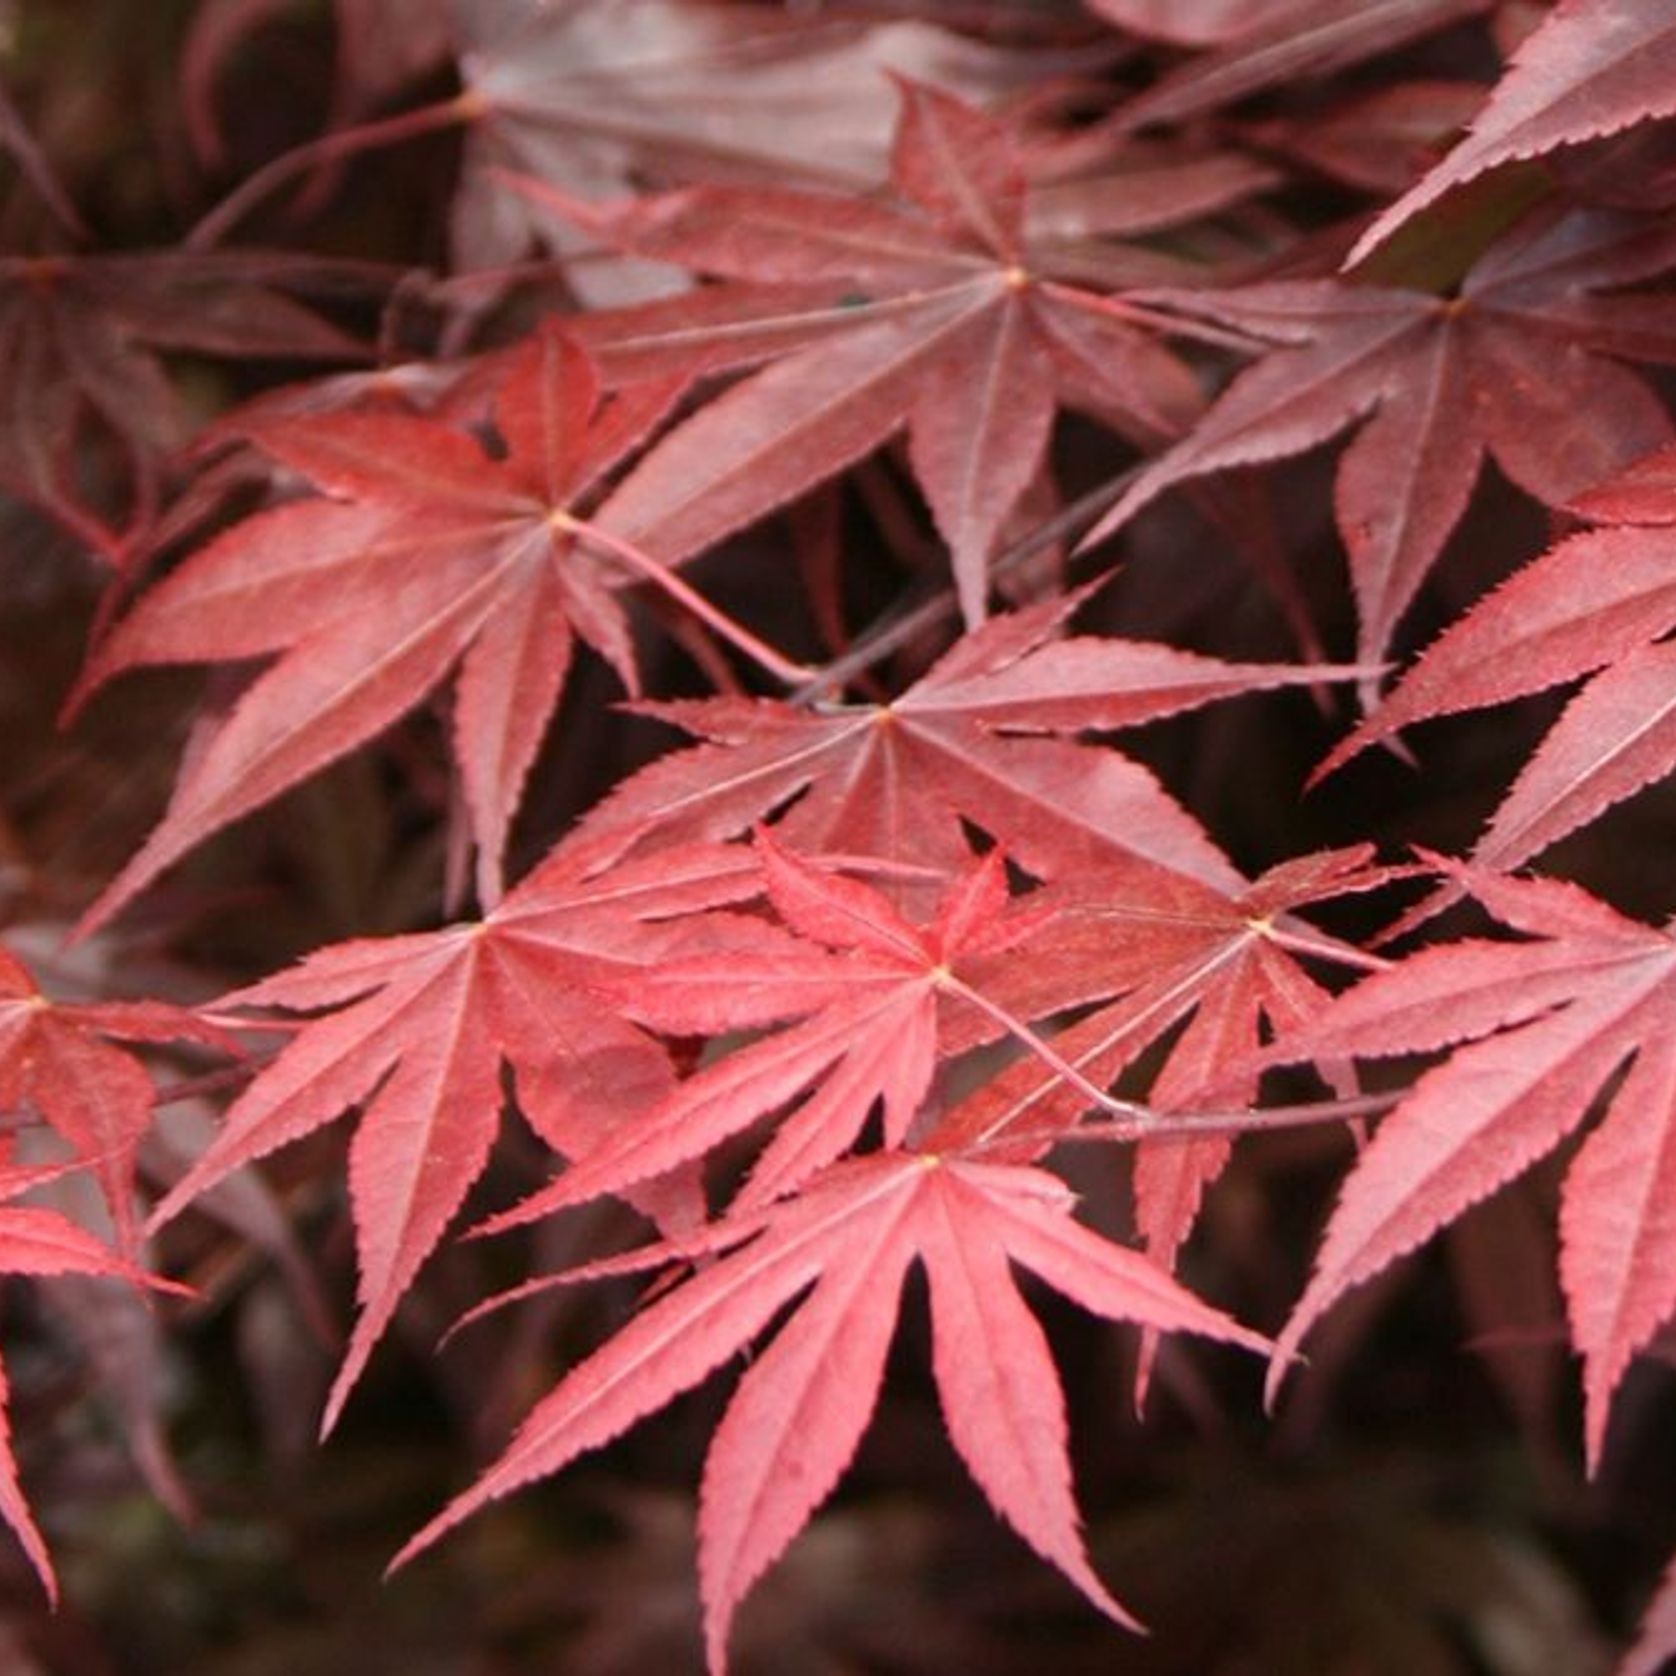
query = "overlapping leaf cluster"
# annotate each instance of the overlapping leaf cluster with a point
(847, 354)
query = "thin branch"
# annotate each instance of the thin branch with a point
(345, 142)
(1165, 1127)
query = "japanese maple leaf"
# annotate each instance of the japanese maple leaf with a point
(848, 1240)
(876, 1002)
(1524, 364)
(892, 1002)
(417, 1028)
(1548, 1024)
(60, 1061)
(1597, 604)
(1593, 68)
(421, 556)
(944, 312)
(971, 741)
(597, 98)
(80, 336)
(1218, 964)
(35, 1241)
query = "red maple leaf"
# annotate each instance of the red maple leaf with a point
(1588, 71)
(949, 311)
(874, 1001)
(878, 1008)
(973, 740)
(80, 341)
(1522, 365)
(597, 99)
(422, 555)
(792, 1427)
(1218, 965)
(416, 1028)
(1549, 1023)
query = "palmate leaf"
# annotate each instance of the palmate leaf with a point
(947, 312)
(1524, 365)
(872, 1008)
(1221, 966)
(871, 1003)
(1547, 1024)
(1593, 68)
(417, 1029)
(973, 740)
(792, 1428)
(81, 341)
(422, 555)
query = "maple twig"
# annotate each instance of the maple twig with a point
(661, 576)
(345, 142)
(1165, 1126)
(896, 631)
(1142, 1122)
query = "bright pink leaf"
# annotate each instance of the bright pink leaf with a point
(1548, 1022)
(417, 1029)
(430, 556)
(851, 1235)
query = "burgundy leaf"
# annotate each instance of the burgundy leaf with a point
(1590, 70)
